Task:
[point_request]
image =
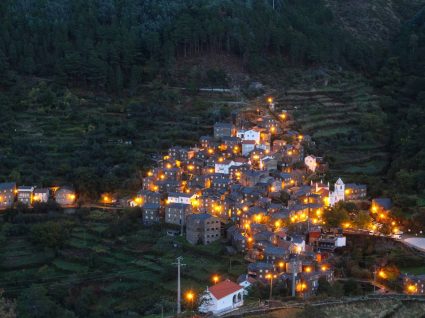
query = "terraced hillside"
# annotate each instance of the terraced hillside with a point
(118, 271)
(96, 142)
(345, 120)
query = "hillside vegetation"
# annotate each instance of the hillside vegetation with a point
(343, 115)
(370, 124)
(374, 22)
(104, 266)
(119, 44)
(53, 135)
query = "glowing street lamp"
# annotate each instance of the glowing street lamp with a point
(138, 200)
(270, 100)
(346, 225)
(382, 274)
(270, 276)
(215, 279)
(412, 289)
(190, 296)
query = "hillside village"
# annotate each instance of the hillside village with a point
(253, 184)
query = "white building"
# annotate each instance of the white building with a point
(41, 195)
(311, 162)
(222, 298)
(247, 147)
(252, 134)
(341, 241)
(177, 197)
(25, 194)
(298, 244)
(223, 167)
(338, 194)
(265, 146)
(246, 283)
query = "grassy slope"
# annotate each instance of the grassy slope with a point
(333, 114)
(45, 147)
(122, 270)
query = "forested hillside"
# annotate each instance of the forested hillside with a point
(58, 56)
(118, 44)
(402, 82)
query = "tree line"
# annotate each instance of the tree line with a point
(112, 44)
(401, 81)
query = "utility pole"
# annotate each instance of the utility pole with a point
(179, 294)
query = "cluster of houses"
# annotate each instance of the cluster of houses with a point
(10, 194)
(247, 183)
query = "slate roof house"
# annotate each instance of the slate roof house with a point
(202, 228)
(151, 213)
(7, 194)
(65, 196)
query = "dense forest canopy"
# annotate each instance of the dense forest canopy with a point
(402, 81)
(114, 44)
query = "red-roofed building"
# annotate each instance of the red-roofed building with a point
(222, 297)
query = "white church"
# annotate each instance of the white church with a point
(334, 196)
(338, 194)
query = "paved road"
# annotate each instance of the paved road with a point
(413, 241)
(262, 309)
(383, 288)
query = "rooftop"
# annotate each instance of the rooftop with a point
(224, 288)
(202, 216)
(7, 185)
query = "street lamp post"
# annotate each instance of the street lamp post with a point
(271, 284)
(215, 279)
(190, 296)
(374, 281)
